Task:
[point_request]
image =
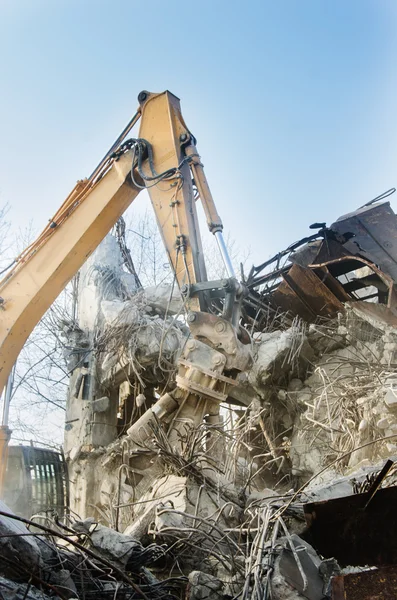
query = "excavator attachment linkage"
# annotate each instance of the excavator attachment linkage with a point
(163, 160)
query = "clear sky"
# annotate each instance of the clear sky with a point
(293, 102)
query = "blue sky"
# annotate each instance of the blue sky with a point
(293, 102)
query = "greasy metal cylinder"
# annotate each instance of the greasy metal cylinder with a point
(5, 434)
(141, 431)
(189, 417)
(215, 420)
(225, 254)
(214, 221)
(7, 397)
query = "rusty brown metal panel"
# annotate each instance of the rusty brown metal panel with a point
(353, 531)
(367, 585)
(345, 264)
(310, 289)
(284, 297)
(338, 588)
(375, 233)
(314, 291)
(332, 284)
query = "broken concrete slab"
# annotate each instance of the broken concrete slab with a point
(10, 590)
(204, 587)
(164, 299)
(122, 549)
(101, 404)
(16, 541)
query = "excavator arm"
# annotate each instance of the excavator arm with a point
(163, 160)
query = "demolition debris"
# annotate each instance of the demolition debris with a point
(286, 492)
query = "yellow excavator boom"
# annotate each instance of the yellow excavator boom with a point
(163, 159)
(93, 207)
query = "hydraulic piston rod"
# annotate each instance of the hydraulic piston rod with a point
(213, 219)
(225, 254)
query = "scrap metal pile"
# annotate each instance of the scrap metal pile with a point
(287, 494)
(312, 278)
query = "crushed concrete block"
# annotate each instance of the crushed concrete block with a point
(295, 385)
(140, 400)
(305, 395)
(262, 495)
(120, 312)
(383, 423)
(164, 298)
(315, 587)
(122, 549)
(10, 590)
(391, 430)
(164, 519)
(361, 401)
(287, 421)
(271, 355)
(391, 394)
(204, 587)
(363, 426)
(74, 452)
(168, 489)
(110, 360)
(62, 581)
(15, 541)
(101, 404)
(105, 260)
(280, 588)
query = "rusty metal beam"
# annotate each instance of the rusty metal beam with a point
(379, 584)
(303, 293)
(353, 531)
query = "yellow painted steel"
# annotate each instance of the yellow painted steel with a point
(173, 201)
(90, 211)
(34, 285)
(93, 207)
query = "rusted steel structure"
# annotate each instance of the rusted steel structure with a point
(354, 259)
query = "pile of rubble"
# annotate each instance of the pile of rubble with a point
(86, 561)
(287, 493)
(198, 543)
(236, 510)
